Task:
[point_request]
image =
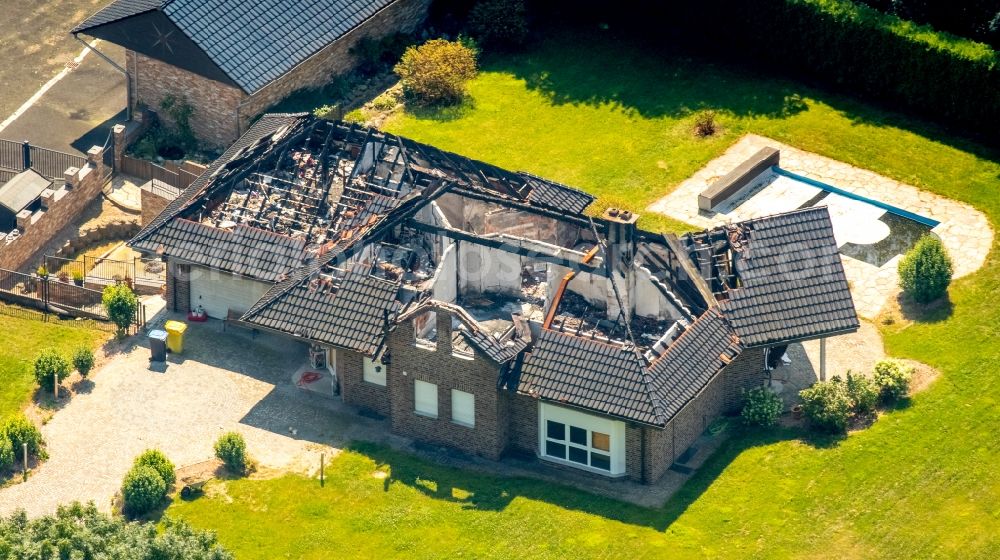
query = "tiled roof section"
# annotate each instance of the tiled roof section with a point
(264, 127)
(253, 43)
(606, 378)
(352, 316)
(499, 352)
(556, 195)
(691, 362)
(119, 9)
(793, 283)
(243, 250)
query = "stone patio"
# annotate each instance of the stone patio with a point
(964, 230)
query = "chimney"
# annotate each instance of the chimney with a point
(621, 243)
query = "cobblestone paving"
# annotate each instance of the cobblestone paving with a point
(215, 386)
(964, 230)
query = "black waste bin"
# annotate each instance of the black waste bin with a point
(158, 345)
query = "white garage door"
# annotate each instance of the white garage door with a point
(219, 292)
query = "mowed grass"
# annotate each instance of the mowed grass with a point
(25, 336)
(616, 120)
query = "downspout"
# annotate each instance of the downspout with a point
(128, 78)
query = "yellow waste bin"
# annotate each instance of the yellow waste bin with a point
(175, 336)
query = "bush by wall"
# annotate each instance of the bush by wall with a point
(856, 49)
(761, 407)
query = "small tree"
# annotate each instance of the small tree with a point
(437, 71)
(892, 379)
(501, 23)
(156, 460)
(142, 490)
(50, 368)
(6, 453)
(83, 360)
(761, 408)
(231, 449)
(19, 431)
(120, 303)
(925, 271)
(827, 405)
(863, 393)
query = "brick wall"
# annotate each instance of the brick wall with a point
(178, 287)
(477, 376)
(745, 372)
(355, 390)
(522, 424)
(214, 119)
(152, 206)
(38, 230)
(335, 59)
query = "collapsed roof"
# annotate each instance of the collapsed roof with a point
(358, 230)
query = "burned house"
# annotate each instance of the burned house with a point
(482, 309)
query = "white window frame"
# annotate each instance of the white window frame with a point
(425, 398)
(614, 429)
(463, 408)
(373, 373)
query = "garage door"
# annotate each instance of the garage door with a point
(218, 292)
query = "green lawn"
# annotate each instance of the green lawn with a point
(616, 120)
(25, 335)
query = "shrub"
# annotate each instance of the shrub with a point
(827, 405)
(437, 71)
(19, 431)
(7, 456)
(761, 407)
(156, 460)
(49, 368)
(120, 303)
(502, 23)
(142, 490)
(231, 449)
(42, 272)
(78, 277)
(892, 380)
(863, 392)
(704, 123)
(925, 270)
(83, 360)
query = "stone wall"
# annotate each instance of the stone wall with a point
(215, 103)
(355, 390)
(477, 376)
(59, 208)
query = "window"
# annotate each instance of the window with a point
(463, 408)
(582, 440)
(425, 330)
(425, 398)
(374, 372)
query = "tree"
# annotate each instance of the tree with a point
(437, 71)
(121, 304)
(925, 271)
(231, 449)
(50, 368)
(80, 531)
(500, 23)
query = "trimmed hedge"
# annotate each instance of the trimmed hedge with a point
(859, 50)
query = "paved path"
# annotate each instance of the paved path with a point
(964, 230)
(182, 410)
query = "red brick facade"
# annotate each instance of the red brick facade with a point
(223, 112)
(353, 387)
(178, 287)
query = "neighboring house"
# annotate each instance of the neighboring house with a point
(480, 308)
(232, 60)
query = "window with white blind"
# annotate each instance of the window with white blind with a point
(425, 398)
(463, 408)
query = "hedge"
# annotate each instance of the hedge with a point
(859, 50)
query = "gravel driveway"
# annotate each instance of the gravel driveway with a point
(222, 382)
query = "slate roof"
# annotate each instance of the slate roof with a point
(256, 42)
(556, 195)
(351, 317)
(607, 378)
(793, 282)
(242, 250)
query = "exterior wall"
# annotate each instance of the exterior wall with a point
(745, 372)
(215, 103)
(355, 390)
(178, 287)
(477, 376)
(64, 206)
(335, 59)
(152, 206)
(522, 424)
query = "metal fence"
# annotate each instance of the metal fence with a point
(15, 157)
(91, 270)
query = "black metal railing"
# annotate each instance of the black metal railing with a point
(15, 157)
